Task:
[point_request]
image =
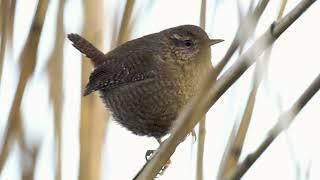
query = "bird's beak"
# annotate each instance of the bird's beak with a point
(214, 41)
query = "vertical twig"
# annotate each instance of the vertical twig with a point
(200, 148)
(202, 123)
(29, 166)
(282, 7)
(125, 29)
(6, 28)
(93, 120)
(235, 143)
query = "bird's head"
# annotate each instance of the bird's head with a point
(189, 43)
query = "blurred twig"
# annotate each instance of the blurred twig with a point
(29, 165)
(235, 143)
(123, 35)
(293, 155)
(55, 70)
(203, 14)
(285, 119)
(244, 31)
(139, 13)
(27, 65)
(125, 29)
(93, 120)
(192, 113)
(282, 7)
(6, 28)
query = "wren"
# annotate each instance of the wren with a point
(146, 82)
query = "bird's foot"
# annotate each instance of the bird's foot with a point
(148, 154)
(194, 135)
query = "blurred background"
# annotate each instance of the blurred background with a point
(49, 131)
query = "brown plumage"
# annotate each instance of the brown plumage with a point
(146, 82)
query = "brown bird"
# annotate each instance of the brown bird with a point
(146, 82)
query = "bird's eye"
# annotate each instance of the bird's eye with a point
(188, 43)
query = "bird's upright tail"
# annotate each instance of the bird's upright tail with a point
(86, 48)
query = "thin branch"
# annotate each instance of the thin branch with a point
(27, 65)
(243, 33)
(236, 140)
(284, 121)
(233, 150)
(192, 113)
(200, 148)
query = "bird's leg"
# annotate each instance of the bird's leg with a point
(194, 135)
(148, 155)
(159, 140)
(150, 152)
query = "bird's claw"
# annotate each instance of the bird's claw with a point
(194, 135)
(148, 154)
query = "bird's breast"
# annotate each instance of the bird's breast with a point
(149, 108)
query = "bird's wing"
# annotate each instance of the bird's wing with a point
(125, 70)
